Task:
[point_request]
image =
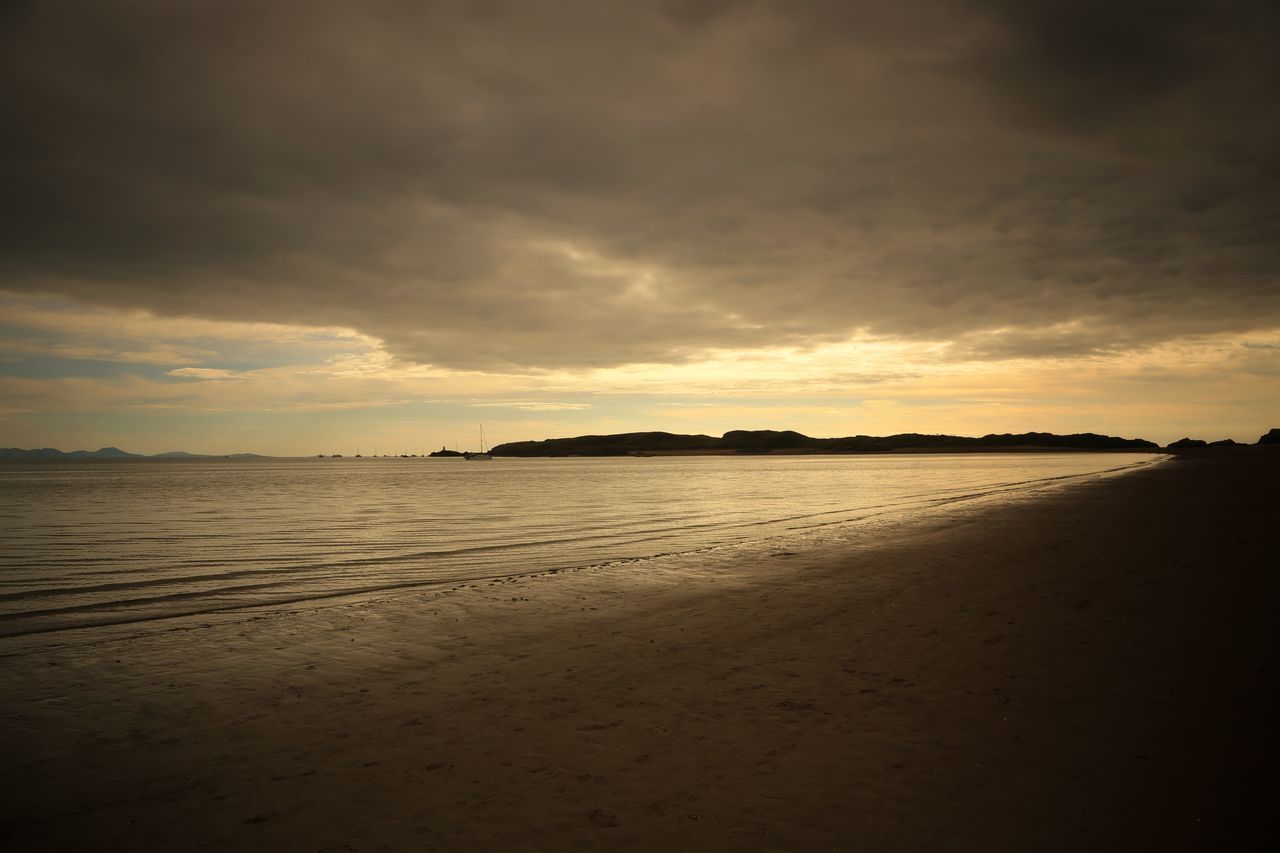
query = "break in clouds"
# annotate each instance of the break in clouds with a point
(520, 185)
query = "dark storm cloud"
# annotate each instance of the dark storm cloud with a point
(1086, 60)
(534, 185)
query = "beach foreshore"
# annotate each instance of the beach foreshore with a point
(1086, 668)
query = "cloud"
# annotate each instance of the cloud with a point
(531, 187)
(203, 373)
(535, 406)
(1061, 340)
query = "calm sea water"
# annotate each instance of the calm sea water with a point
(106, 543)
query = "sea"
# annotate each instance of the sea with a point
(89, 544)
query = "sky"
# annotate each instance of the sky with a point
(321, 227)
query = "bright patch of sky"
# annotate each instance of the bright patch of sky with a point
(76, 376)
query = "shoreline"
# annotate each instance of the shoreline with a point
(1075, 669)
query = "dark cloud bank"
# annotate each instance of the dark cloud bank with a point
(492, 184)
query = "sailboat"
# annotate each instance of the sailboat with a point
(483, 454)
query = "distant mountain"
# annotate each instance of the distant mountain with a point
(788, 441)
(50, 453)
(113, 453)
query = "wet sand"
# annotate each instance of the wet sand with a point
(1085, 668)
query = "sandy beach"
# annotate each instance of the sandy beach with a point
(1086, 668)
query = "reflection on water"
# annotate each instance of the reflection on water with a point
(97, 543)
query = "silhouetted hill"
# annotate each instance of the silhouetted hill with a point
(182, 454)
(1185, 443)
(50, 453)
(609, 445)
(1272, 437)
(113, 453)
(788, 441)
(1079, 440)
(764, 440)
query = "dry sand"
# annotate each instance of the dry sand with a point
(1087, 668)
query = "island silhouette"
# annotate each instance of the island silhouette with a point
(790, 441)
